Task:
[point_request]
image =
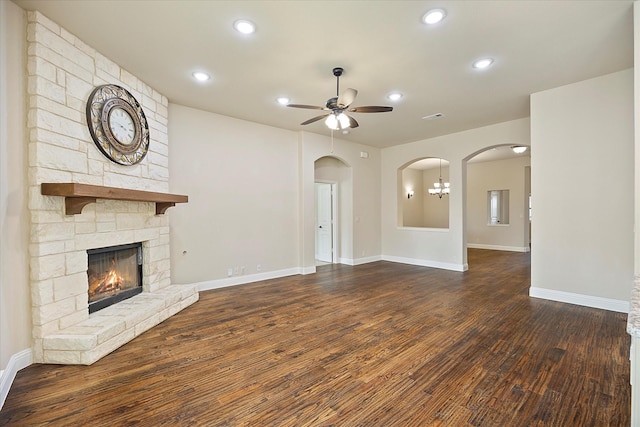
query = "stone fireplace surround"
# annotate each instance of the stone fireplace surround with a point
(62, 71)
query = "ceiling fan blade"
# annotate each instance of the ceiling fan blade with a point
(352, 122)
(371, 109)
(308, 107)
(346, 98)
(314, 119)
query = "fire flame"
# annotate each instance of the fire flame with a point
(110, 282)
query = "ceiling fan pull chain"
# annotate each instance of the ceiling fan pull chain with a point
(331, 141)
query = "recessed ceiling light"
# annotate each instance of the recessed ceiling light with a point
(434, 16)
(201, 76)
(482, 63)
(395, 96)
(283, 100)
(245, 27)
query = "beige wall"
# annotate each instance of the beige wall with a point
(436, 209)
(582, 176)
(510, 174)
(364, 224)
(413, 208)
(251, 199)
(242, 183)
(15, 301)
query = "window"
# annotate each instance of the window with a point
(498, 207)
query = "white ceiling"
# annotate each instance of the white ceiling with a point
(382, 45)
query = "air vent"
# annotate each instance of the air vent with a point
(433, 116)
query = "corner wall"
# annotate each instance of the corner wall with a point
(582, 186)
(15, 301)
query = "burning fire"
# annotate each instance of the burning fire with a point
(109, 282)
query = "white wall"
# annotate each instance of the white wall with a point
(509, 174)
(15, 301)
(582, 176)
(438, 248)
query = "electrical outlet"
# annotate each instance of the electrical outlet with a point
(229, 272)
(258, 267)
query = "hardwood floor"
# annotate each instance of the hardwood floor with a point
(380, 344)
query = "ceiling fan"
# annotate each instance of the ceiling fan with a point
(336, 118)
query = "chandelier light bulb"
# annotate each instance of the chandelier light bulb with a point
(440, 188)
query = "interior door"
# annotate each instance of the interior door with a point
(324, 222)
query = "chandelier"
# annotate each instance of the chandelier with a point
(440, 188)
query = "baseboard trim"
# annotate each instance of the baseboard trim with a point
(359, 261)
(498, 247)
(619, 306)
(241, 280)
(426, 263)
(17, 362)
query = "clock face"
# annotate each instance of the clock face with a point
(122, 126)
(118, 124)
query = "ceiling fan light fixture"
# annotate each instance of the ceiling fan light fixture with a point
(337, 121)
(244, 26)
(343, 120)
(331, 122)
(434, 16)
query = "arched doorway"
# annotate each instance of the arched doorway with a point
(498, 195)
(333, 185)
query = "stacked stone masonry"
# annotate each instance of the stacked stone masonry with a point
(62, 72)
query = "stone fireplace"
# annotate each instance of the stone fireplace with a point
(62, 72)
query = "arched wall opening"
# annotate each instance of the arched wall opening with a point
(423, 186)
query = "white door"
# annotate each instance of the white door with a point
(324, 222)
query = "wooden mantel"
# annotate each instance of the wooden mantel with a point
(77, 196)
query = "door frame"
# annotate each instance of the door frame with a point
(334, 218)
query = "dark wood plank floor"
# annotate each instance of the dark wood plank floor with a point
(380, 344)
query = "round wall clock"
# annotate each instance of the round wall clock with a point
(117, 124)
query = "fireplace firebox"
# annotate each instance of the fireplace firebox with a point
(114, 274)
